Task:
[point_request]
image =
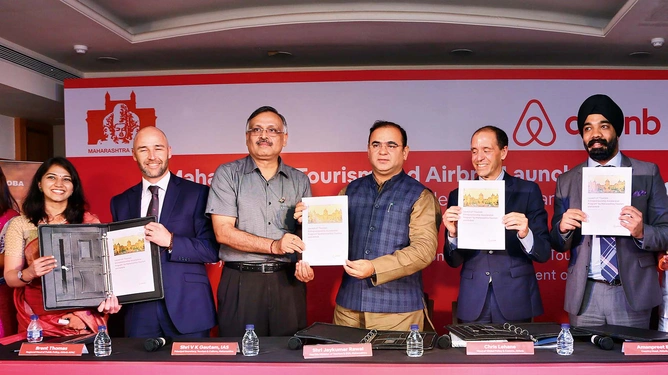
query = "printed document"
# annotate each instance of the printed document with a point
(605, 191)
(325, 230)
(483, 206)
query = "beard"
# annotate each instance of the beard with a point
(153, 174)
(604, 153)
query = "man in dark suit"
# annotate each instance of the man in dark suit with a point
(500, 286)
(617, 287)
(186, 241)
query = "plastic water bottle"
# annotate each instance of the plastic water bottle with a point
(102, 343)
(250, 344)
(34, 334)
(565, 340)
(414, 346)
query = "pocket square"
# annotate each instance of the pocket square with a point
(639, 193)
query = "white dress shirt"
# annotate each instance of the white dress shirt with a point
(146, 195)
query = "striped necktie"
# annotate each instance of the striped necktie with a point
(608, 244)
(609, 269)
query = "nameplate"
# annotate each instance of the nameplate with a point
(337, 351)
(645, 348)
(499, 348)
(52, 350)
(205, 348)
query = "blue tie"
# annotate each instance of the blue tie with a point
(608, 245)
(609, 269)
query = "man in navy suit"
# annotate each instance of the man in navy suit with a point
(186, 241)
(601, 288)
(500, 286)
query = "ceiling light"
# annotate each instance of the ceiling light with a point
(461, 52)
(657, 42)
(108, 59)
(80, 48)
(279, 54)
(640, 54)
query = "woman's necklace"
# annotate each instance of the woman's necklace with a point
(54, 220)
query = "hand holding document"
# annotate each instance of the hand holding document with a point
(325, 230)
(113, 263)
(605, 191)
(483, 206)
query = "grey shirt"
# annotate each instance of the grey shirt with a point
(263, 208)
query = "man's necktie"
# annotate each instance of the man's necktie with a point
(608, 245)
(155, 202)
(609, 258)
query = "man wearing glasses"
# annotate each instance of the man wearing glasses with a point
(393, 227)
(252, 204)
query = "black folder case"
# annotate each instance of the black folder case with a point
(523, 332)
(624, 333)
(83, 276)
(325, 333)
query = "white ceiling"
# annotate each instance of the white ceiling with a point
(182, 36)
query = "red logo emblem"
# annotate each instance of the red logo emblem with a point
(118, 122)
(532, 126)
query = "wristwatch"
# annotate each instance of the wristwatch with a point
(20, 275)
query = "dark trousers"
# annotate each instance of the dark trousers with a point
(491, 313)
(151, 320)
(274, 302)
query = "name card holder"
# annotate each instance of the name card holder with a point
(499, 348)
(337, 351)
(205, 348)
(645, 348)
(52, 350)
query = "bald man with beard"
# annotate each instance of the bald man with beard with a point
(186, 241)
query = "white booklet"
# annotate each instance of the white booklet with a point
(605, 191)
(325, 230)
(130, 261)
(483, 205)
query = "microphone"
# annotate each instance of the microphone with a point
(295, 343)
(444, 342)
(152, 345)
(603, 342)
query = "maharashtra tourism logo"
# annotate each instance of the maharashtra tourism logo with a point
(534, 126)
(113, 128)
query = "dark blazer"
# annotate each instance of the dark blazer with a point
(188, 294)
(637, 266)
(512, 271)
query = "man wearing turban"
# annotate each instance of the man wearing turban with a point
(611, 279)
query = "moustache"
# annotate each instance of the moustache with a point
(602, 141)
(264, 140)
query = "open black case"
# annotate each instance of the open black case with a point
(97, 260)
(325, 333)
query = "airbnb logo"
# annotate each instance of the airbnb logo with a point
(647, 125)
(533, 126)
